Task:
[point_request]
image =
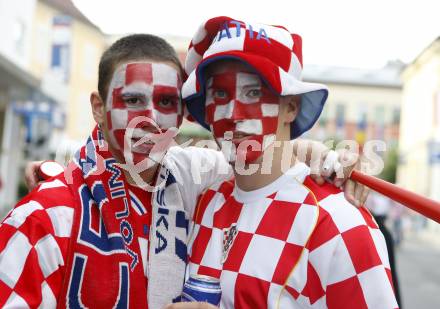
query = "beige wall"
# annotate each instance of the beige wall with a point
(86, 46)
(421, 84)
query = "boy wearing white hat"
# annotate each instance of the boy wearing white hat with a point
(275, 240)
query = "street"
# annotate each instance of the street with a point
(418, 262)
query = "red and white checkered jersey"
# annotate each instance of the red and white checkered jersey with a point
(290, 244)
(34, 241)
(33, 247)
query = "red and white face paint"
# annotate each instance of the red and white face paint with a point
(240, 103)
(143, 104)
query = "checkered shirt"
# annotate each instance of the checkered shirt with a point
(34, 241)
(291, 244)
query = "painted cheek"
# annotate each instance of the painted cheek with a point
(222, 126)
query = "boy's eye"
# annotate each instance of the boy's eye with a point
(219, 94)
(133, 100)
(254, 93)
(168, 102)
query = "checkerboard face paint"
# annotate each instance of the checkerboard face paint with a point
(143, 105)
(239, 102)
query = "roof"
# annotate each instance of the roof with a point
(388, 76)
(67, 7)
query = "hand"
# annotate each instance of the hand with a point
(31, 174)
(332, 166)
(340, 164)
(192, 305)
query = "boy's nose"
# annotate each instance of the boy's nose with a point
(238, 111)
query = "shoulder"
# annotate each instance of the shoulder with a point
(48, 208)
(193, 154)
(340, 221)
(212, 197)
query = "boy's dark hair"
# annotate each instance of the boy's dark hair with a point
(133, 47)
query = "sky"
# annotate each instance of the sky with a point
(363, 34)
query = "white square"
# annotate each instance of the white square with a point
(223, 111)
(251, 215)
(227, 282)
(341, 267)
(269, 110)
(278, 297)
(345, 215)
(254, 126)
(20, 213)
(61, 218)
(164, 75)
(225, 43)
(49, 255)
(119, 118)
(377, 289)
(47, 296)
(13, 258)
(262, 257)
(292, 192)
(280, 35)
(303, 225)
(321, 258)
(15, 301)
(217, 200)
(213, 254)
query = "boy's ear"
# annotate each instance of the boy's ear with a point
(98, 107)
(293, 105)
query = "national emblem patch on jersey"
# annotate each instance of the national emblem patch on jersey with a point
(228, 239)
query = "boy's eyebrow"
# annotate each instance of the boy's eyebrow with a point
(132, 94)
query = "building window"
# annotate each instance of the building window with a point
(18, 33)
(396, 116)
(340, 116)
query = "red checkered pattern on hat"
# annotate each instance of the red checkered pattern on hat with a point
(281, 47)
(33, 248)
(289, 251)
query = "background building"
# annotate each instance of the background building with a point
(419, 165)
(49, 57)
(362, 105)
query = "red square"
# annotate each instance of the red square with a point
(280, 54)
(346, 294)
(288, 260)
(313, 289)
(209, 271)
(324, 231)
(139, 72)
(117, 102)
(227, 214)
(368, 218)
(320, 191)
(361, 248)
(250, 292)
(200, 244)
(278, 219)
(237, 251)
(202, 204)
(30, 281)
(5, 292)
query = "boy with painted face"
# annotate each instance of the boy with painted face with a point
(274, 240)
(92, 237)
